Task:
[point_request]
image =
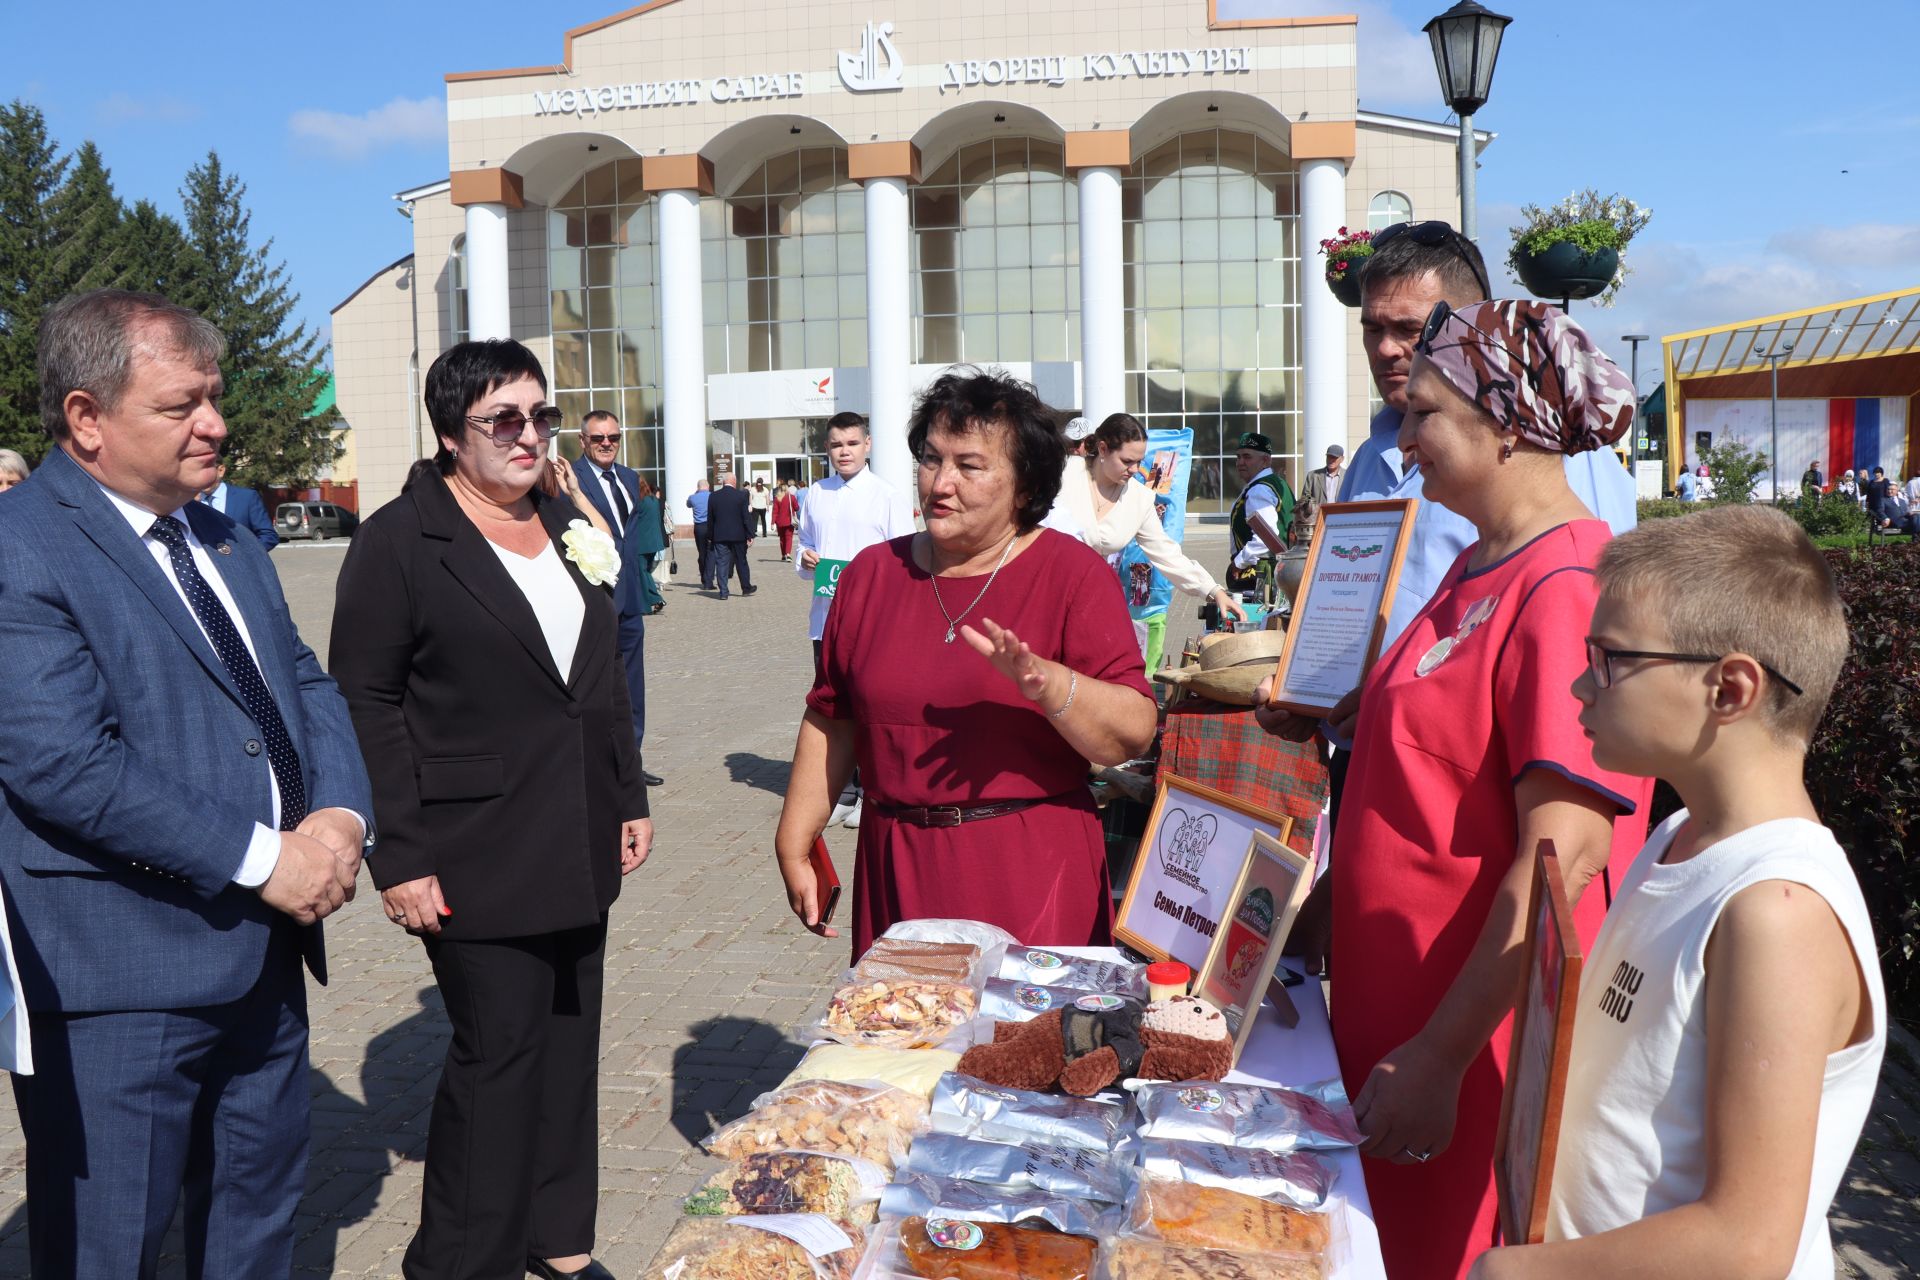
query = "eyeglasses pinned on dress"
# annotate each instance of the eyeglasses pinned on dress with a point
(506, 425)
(1600, 660)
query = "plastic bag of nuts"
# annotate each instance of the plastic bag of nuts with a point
(900, 1013)
(873, 1122)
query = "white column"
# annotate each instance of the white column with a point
(888, 325)
(488, 310)
(1102, 296)
(1323, 319)
(683, 368)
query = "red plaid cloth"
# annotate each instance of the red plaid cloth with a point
(1225, 748)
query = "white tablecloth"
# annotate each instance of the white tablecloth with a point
(1297, 1056)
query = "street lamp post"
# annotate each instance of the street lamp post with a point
(1773, 357)
(1633, 341)
(1466, 43)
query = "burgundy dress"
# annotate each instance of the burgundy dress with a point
(937, 725)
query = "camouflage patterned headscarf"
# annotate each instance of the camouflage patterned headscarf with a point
(1537, 372)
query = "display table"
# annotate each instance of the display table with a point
(1302, 1055)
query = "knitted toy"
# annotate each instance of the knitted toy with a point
(1100, 1039)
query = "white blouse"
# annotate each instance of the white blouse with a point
(1131, 519)
(556, 601)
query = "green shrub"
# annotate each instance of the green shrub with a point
(1829, 515)
(1664, 508)
(1863, 769)
(1736, 470)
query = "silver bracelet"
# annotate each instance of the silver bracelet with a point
(1073, 687)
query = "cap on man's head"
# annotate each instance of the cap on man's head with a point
(1077, 429)
(1255, 441)
(1336, 451)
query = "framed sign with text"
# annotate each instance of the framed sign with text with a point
(1191, 861)
(1340, 612)
(1246, 950)
(1529, 1132)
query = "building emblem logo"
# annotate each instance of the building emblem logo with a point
(877, 66)
(820, 387)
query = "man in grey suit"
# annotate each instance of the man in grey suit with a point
(184, 800)
(1322, 486)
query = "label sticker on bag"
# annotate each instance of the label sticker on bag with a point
(817, 1234)
(952, 1233)
(1098, 1003)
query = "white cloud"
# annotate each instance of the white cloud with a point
(1888, 244)
(124, 108)
(1396, 60)
(403, 122)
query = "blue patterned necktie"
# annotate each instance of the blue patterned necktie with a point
(281, 756)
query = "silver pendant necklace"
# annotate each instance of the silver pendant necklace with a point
(953, 622)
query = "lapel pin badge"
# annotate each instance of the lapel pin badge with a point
(223, 548)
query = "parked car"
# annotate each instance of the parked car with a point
(316, 520)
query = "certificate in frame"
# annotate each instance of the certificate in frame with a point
(1192, 857)
(1246, 950)
(1346, 595)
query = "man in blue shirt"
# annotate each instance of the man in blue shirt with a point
(702, 535)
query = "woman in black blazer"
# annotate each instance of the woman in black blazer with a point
(476, 650)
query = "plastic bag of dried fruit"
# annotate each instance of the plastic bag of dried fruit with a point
(873, 1122)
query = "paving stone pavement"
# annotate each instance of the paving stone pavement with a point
(707, 973)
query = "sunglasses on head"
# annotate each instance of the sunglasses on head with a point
(1432, 233)
(505, 426)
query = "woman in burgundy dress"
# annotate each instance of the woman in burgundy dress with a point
(972, 672)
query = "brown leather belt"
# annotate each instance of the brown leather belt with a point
(952, 815)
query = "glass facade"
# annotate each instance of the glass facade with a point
(995, 256)
(1213, 309)
(605, 311)
(785, 267)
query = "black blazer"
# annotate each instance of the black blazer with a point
(490, 769)
(727, 518)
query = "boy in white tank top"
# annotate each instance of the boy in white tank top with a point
(1731, 1018)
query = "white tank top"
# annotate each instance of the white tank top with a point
(1633, 1131)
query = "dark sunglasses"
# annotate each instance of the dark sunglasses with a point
(1431, 233)
(1443, 312)
(1600, 661)
(612, 439)
(506, 425)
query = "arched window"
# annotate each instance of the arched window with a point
(457, 289)
(1388, 208)
(1213, 315)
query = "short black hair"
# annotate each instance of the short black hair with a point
(1118, 431)
(967, 399)
(1456, 263)
(847, 418)
(465, 373)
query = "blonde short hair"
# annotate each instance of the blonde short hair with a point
(1740, 579)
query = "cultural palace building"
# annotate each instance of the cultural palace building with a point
(725, 221)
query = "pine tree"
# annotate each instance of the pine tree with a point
(87, 250)
(271, 371)
(154, 251)
(31, 169)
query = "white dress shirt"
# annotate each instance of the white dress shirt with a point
(1263, 512)
(1132, 518)
(263, 850)
(842, 518)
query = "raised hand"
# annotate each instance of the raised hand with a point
(1010, 657)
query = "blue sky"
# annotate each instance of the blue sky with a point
(1778, 155)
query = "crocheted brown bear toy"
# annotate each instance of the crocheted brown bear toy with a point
(1100, 1039)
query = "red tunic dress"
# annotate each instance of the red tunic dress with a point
(1473, 694)
(937, 725)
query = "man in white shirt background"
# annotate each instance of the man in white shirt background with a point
(846, 513)
(1262, 516)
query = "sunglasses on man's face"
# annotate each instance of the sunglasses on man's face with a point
(507, 425)
(1432, 233)
(612, 439)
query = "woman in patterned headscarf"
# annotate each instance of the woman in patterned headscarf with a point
(1467, 753)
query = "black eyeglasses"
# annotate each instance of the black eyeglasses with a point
(1600, 661)
(612, 439)
(506, 425)
(1435, 232)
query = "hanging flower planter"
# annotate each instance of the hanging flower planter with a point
(1565, 271)
(1576, 248)
(1346, 256)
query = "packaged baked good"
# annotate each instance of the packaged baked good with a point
(1244, 1115)
(922, 1195)
(792, 1182)
(897, 958)
(1298, 1178)
(973, 1108)
(914, 1070)
(901, 1013)
(1008, 1000)
(1057, 969)
(772, 1247)
(874, 1122)
(1063, 1170)
(1130, 1258)
(988, 937)
(1187, 1213)
(951, 1249)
